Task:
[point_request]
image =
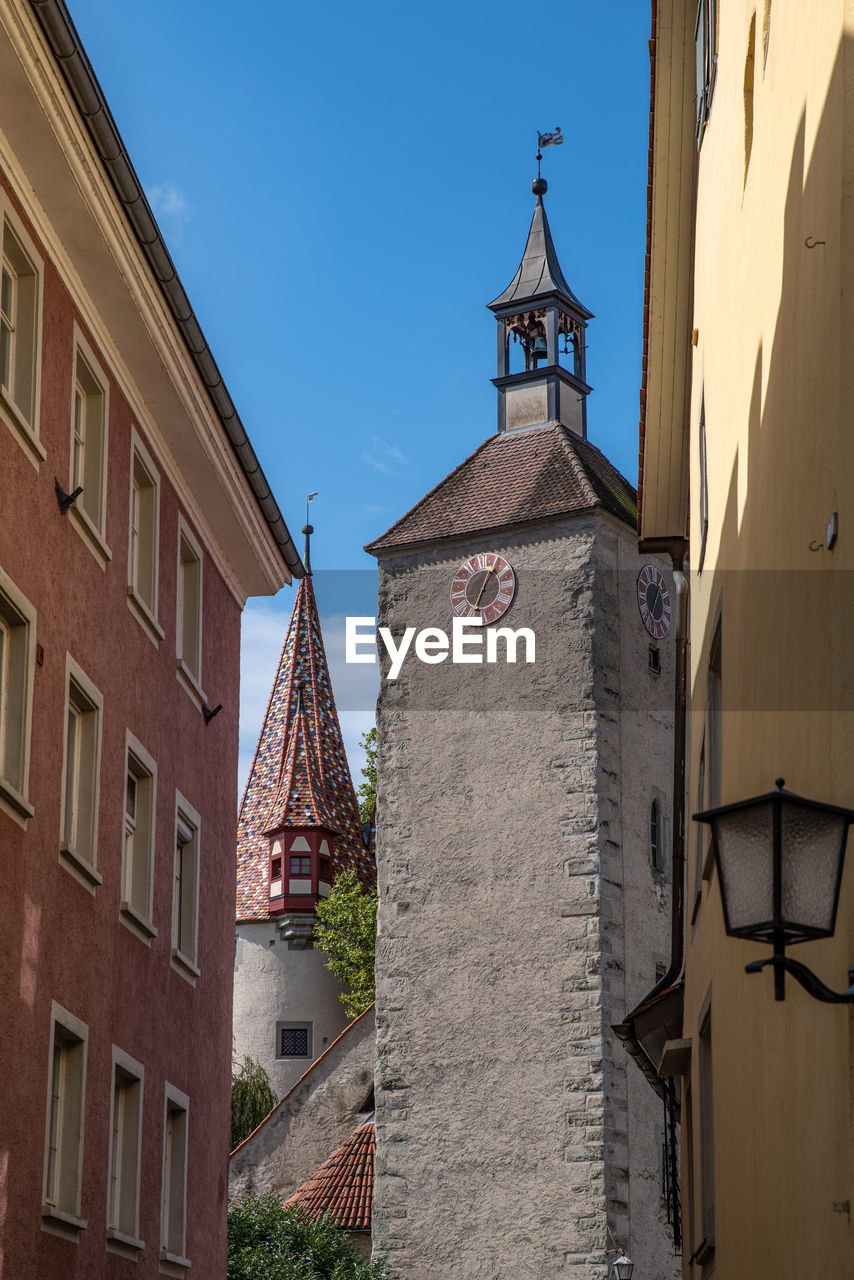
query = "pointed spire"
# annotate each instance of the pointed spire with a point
(539, 272)
(299, 761)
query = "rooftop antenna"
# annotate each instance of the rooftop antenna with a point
(308, 530)
(553, 139)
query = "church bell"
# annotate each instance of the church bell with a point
(539, 351)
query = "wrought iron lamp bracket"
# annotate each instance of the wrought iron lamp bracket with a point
(808, 980)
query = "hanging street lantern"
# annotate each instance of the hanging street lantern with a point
(779, 859)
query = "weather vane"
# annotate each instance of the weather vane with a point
(554, 139)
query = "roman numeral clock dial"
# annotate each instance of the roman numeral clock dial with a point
(656, 610)
(483, 587)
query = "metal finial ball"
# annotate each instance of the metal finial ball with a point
(779, 783)
(539, 186)
(308, 528)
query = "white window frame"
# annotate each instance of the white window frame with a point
(90, 520)
(136, 905)
(22, 419)
(185, 889)
(81, 777)
(144, 609)
(173, 1182)
(127, 1083)
(64, 1123)
(17, 674)
(189, 663)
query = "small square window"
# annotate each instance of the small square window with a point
(17, 668)
(81, 775)
(88, 470)
(654, 661)
(185, 894)
(63, 1161)
(300, 866)
(125, 1151)
(293, 1039)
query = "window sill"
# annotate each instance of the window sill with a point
(22, 431)
(124, 1246)
(172, 1264)
(137, 923)
(81, 868)
(60, 1223)
(183, 964)
(190, 683)
(12, 798)
(91, 535)
(145, 617)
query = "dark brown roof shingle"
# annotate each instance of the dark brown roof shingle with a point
(519, 477)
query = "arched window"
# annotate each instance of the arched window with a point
(656, 851)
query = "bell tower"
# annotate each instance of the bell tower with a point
(539, 311)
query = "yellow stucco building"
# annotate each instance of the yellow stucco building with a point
(747, 460)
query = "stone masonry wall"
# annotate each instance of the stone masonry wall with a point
(504, 1135)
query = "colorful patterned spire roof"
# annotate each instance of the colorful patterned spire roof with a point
(344, 1184)
(300, 771)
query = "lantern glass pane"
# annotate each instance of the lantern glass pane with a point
(812, 848)
(745, 863)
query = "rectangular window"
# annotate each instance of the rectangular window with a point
(81, 775)
(185, 894)
(138, 847)
(88, 471)
(706, 40)
(715, 717)
(20, 315)
(17, 669)
(707, 1140)
(189, 630)
(125, 1152)
(63, 1159)
(300, 866)
(704, 483)
(173, 1210)
(293, 1039)
(143, 538)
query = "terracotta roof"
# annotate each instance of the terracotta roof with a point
(300, 800)
(300, 771)
(517, 477)
(344, 1184)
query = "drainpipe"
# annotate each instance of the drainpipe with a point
(677, 549)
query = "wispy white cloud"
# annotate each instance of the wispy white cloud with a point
(170, 207)
(385, 457)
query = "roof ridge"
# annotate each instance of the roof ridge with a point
(349, 1027)
(430, 492)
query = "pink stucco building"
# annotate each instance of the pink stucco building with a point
(135, 523)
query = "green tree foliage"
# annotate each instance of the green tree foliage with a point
(346, 930)
(367, 790)
(268, 1242)
(252, 1098)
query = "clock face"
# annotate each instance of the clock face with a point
(483, 587)
(654, 601)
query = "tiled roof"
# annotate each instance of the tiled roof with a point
(300, 799)
(517, 477)
(300, 768)
(344, 1184)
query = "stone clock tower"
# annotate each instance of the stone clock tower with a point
(522, 843)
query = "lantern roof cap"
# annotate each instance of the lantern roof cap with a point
(778, 795)
(539, 273)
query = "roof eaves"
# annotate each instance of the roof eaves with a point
(77, 71)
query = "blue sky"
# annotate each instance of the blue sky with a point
(343, 188)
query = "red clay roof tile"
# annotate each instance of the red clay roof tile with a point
(344, 1184)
